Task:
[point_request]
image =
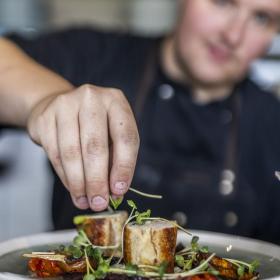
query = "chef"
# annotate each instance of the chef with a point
(209, 136)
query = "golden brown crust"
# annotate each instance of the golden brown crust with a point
(96, 230)
(127, 246)
(105, 230)
(167, 243)
(227, 269)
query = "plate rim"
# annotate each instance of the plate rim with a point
(64, 236)
(67, 235)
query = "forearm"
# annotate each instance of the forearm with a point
(23, 83)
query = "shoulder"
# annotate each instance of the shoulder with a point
(261, 116)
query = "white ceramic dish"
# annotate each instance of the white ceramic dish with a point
(13, 266)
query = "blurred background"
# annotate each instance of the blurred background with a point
(25, 183)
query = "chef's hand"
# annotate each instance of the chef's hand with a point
(91, 139)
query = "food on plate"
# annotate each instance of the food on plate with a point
(150, 243)
(103, 229)
(113, 247)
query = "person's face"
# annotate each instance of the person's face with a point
(216, 40)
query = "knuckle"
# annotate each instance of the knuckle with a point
(96, 185)
(131, 138)
(88, 88)
(125, 167)
(95, 147)
(124, 171)
(55, 158)
(89, 91)
(90, 96)
(76, 185)
(61, 100)
(71, 152)
(114, 93)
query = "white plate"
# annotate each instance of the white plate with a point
(14, 266)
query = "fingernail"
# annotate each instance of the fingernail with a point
(121, 186)
(98, 202)
(82, 201)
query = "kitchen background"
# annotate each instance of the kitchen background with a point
(25, 182)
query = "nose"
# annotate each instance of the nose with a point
(235, 31)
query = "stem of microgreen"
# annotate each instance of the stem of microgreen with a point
(192, 272)
(121, 271)
(146, 194)
(148, 266)
(195, 270)
(85, 237)
(184, 251)
(89, 267)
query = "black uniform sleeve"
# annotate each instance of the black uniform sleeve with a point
(81, 55)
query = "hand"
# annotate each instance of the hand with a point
(91, 139)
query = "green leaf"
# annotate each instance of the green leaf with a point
(180, 261)
(141, 216)
(75, 252)
(89, 277)
(162, 268)
(131, 204)
(241, 271)
(194, 243)
(94, 253)
(115, 203)
(79, 219)
(102, 270)
(188, 265)
(79, 241)
(253, 266)
(204, 249)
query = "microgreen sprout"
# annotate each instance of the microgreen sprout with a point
(194, 243)
(155, 196)
(140, 217)
(77, 220)
(115, 202)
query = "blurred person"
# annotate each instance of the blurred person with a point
(209, 136)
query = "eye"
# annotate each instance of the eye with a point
(263, 18)
(222, 2)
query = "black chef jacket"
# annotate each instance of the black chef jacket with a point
(183, 144)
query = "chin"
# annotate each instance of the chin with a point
(211, 78)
